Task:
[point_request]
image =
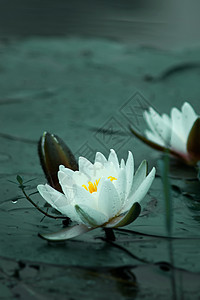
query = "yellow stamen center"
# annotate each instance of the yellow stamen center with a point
(92, 187)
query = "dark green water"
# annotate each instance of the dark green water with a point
(78, 71)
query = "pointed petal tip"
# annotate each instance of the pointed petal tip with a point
(112, 151)
(42, 187)
(130, 153)
(153, 172)
(39, 186)
(186, 104)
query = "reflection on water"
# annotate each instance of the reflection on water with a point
(121, 279)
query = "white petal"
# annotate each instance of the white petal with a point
(85, 166)
(129, 172)
(120, 184)
(178, 141)
(58, 201)
(82, 196)
(66, 233)
(122, 164)
(139, 176)
(52, 196)
(189, 117)
(67, 182)
(109, 202)
(159, 125)
(109, 170)
(141, 191)
(150, 123)
(98, 217)
(114, 159)
(167, 120)
(92, 171)
(65, 170)
(154, 138)
(80, 178)
(61, 168)
(166, 129)
(100, 158)
(177, 122)
(98, 170)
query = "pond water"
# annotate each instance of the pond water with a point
(82, 72)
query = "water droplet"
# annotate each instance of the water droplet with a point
(14, 201)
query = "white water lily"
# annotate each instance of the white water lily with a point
(104, 194)
(179, 133)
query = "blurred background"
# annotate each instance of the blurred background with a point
(173, 23)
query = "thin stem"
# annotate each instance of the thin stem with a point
(38, 208)
(169, 217)
(110, 236)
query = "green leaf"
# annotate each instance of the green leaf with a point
(19, 179)
(127, 218)
(53, 152)
(85, 217)
(65, 234)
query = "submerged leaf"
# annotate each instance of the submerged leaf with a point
(65, 234)
(19, 179)
(53, 152)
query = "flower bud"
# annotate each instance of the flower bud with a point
(53, 152)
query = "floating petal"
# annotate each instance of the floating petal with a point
(65, 234)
